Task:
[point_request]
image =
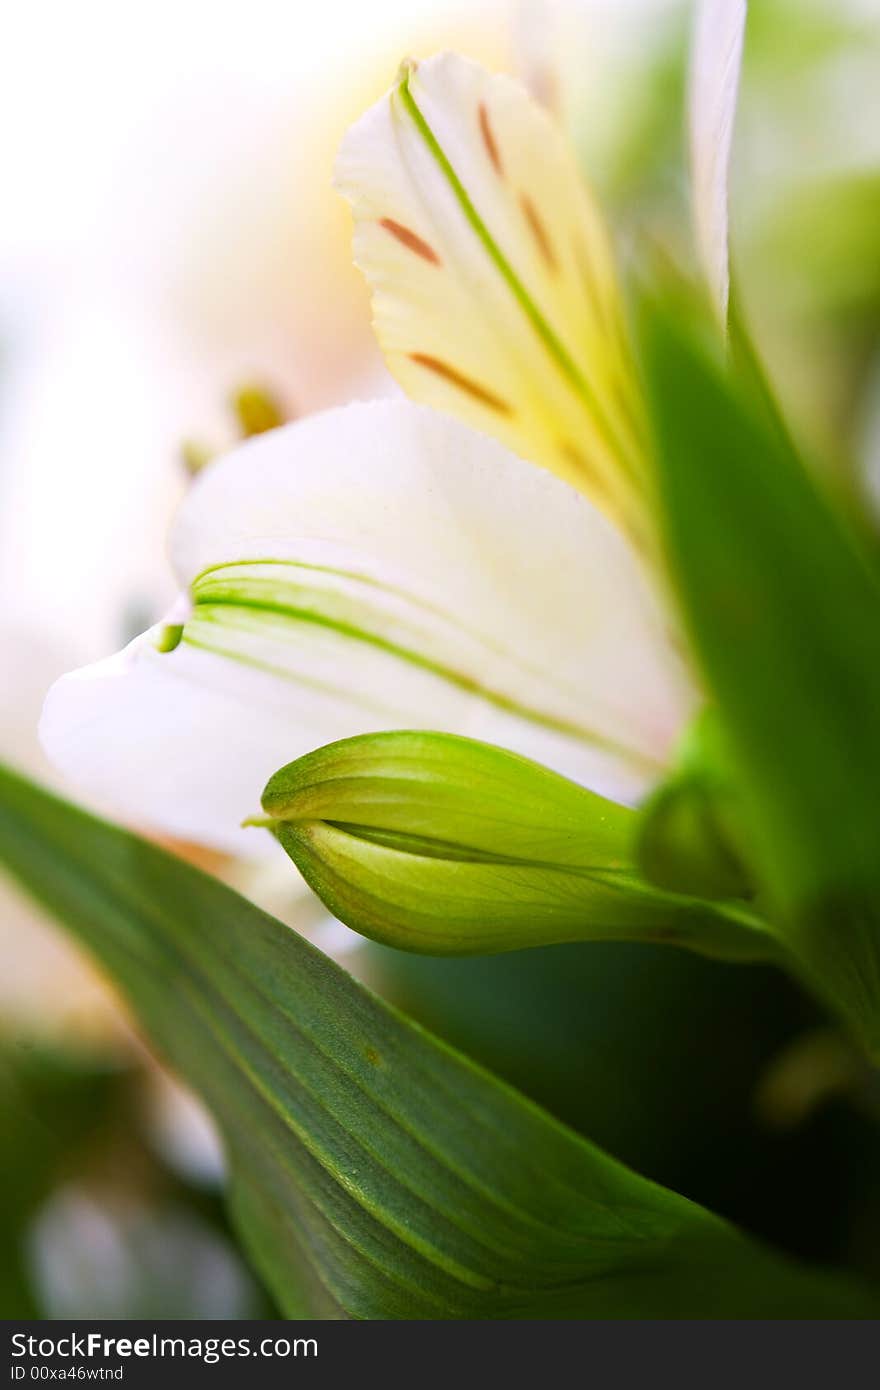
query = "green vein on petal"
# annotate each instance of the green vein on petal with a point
(213, 610)
(282, 673)
(233, 595)
(382, 586)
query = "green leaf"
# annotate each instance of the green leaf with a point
(377, 1173)
(784, 614)
(50, 1103)
(439, 844)
(821, 239)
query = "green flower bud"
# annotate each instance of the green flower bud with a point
(442, 845)
(688, 837)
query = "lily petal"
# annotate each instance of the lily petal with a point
(494, 292)
(375, 567)
(716, 60)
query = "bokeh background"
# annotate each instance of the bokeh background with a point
(170, 239)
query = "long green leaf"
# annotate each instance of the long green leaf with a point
(784, 613)
(376, 1173)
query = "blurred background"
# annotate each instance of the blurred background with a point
(172, 260)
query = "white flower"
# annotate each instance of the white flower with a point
(384, 566)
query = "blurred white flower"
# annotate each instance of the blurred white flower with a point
(109, 1256)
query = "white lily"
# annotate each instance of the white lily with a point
(384, 566)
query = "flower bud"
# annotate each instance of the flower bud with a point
(438, 844)
(688, 836)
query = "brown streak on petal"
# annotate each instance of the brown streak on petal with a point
(544, 87)
(585, 266)
(410, 240)
(538, 231)
(464, 383)
(591, 288)
(489, 140)
(578, 460)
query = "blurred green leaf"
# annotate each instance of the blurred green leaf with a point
(378, 1174)
(439, 844)
(822, 247)
(790, 38)
(50, 1103)
(784, 613)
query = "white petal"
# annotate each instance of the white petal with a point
(716, 60)
(494, 292)
(376, 567)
